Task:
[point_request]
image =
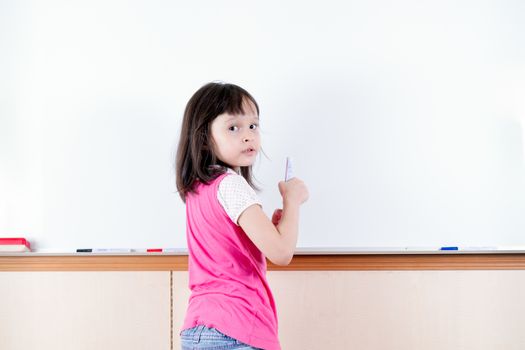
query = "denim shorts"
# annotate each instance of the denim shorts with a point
(202, 337)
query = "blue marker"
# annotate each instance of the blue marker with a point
(449, 248)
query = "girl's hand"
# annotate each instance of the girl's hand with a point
(294, 191)
(276, 217)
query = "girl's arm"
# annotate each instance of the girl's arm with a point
(277, 243)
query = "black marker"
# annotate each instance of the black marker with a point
(105, 250)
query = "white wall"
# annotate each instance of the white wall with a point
(405, 119)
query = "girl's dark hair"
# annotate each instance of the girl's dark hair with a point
(195, 153)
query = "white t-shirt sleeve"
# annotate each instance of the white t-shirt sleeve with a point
(235, 195)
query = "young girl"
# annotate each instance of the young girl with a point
(229, 236)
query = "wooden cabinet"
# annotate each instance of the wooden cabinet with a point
(395, 302)
(85, 310)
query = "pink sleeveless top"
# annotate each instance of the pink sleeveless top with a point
(227, 274)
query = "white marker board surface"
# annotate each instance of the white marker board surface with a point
(405, 119)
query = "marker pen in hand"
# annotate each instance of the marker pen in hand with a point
(289, 171)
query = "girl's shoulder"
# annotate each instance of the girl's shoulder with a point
(235, 195)
(234, 188)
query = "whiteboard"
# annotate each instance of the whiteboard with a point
(405, 119)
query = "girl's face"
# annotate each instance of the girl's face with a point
(236, 137)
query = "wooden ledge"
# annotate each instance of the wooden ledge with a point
(343, 262)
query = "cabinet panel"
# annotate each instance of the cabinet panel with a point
(84, 310)
(397, 310)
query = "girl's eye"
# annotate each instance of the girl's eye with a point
(253, 127)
